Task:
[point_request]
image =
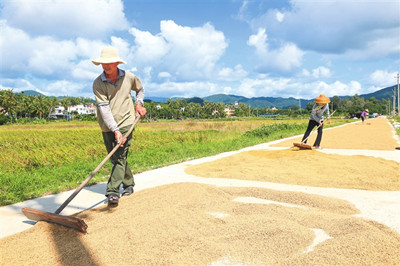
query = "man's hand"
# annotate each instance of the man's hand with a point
(140, 110)
(119, 138)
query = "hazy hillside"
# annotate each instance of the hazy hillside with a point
(31, 93)
(381, 94)
(259, 102)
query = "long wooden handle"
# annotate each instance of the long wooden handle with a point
(303, 142)
(84, 183)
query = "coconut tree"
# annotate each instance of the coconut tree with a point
(8, 102)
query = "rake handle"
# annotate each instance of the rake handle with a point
(84, 183)
(303, 142)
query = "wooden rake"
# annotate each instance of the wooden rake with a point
(303, 145)
(69, 221)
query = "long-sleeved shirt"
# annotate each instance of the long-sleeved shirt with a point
(114, 100)
(318, 111)
(364, 113)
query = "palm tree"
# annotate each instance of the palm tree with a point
(8, 102)
(53, 102)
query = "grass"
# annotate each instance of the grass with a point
(397, 119)
(38, 160)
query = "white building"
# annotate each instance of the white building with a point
(82, 109)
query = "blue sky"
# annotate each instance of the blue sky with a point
(187, 48)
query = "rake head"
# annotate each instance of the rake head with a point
(67, 221)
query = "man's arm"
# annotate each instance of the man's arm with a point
(140, 102)
(109, 121)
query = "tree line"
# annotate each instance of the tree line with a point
(16, 106)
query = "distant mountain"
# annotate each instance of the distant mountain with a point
(257, 102)
(32, 93)
(156, 99)
(225, 98)
(381, 94)
(284, 103)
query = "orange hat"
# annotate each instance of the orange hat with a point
(322, 99)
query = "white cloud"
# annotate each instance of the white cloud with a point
(16, 43)
(305, 72)
(183, 89)
(336, 26)
(49, 44)
(336, 88)
(383, 78)
(229, 74)
(280, 16)
(17, 85)
(227, 90)
(44, 60)
(273, 87)
(382, 46)
(68, 18)
(149, 48)
(49, 56)
(256, 87)
(84, 71)
(184, 52)
(66, 88)
(164, 75)
(193, 50)
(321, 72)
(42, 55)
(284, 58)
(289, 87)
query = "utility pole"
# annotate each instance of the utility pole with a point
(398, 94)
(394, 102)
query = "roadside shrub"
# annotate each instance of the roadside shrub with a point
(90, 117)
(267, 130)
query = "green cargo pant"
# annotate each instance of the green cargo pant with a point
(120, 172)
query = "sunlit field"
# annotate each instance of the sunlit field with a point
(37, 160)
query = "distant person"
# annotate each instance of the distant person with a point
(116, 114)
(321, 105)
(364, 114)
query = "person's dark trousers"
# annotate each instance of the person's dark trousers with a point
(310, 127)
(120, 172)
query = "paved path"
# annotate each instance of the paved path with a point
(380, 206)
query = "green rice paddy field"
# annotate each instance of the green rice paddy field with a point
(37, 160)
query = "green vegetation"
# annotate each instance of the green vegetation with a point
(21, 108)
(42, 159)
(397, 119)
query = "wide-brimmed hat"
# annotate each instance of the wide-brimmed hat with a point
(108, 55)
(366, 110)
(322, 99)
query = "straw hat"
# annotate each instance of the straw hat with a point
(322, 99)
(366, 110)
(108, 55)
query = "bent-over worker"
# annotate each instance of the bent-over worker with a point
(116, 114)
(321, 105)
